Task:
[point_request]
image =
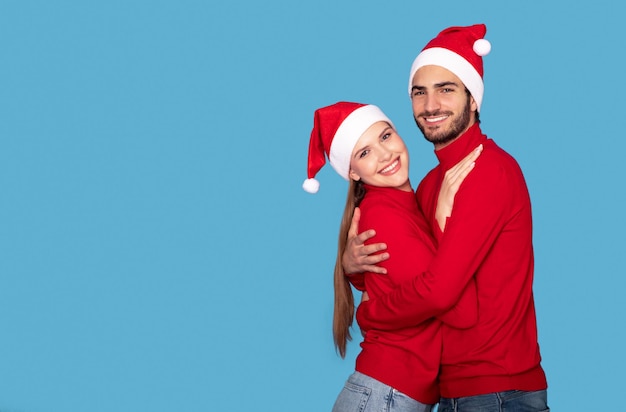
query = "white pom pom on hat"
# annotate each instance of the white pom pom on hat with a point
(336, 130)
(460, 50)
(482, 47)
(311, 185)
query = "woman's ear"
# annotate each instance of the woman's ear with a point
(352, 174)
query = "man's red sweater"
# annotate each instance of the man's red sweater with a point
(488, 238)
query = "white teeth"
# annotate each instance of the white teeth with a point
(435, 119)
(390, 167)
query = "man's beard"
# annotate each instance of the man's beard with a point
(458, 126)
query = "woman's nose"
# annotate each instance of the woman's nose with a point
(383, 153)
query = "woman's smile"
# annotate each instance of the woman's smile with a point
(392, 168)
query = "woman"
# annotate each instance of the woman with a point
(397, 369)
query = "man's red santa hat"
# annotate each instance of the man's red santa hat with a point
(460, 50)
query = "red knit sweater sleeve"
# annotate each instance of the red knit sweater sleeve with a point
(479, 214)
(357, 280)
(410, 250)
(464, 314)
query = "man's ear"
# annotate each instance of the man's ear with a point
(473, 105)
(352, 174)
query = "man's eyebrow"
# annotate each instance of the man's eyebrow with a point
(436, 85)
(444, 84)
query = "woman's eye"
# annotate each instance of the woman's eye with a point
(386, 136)
(363, 154)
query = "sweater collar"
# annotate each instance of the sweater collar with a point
(406, 198)
(462, 146)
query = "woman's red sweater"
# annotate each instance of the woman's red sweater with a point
(407, 358)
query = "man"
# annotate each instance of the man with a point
(494, 365)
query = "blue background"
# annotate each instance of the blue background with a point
(157, 250)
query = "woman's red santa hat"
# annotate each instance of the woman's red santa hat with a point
(336, 130)
(460, 50)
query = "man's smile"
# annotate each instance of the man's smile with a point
(436, 119)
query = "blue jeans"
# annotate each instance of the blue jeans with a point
(364, 394)
(509, 401)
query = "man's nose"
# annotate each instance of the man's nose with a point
(431, 103)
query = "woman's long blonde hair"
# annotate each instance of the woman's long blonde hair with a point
(343, 314)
